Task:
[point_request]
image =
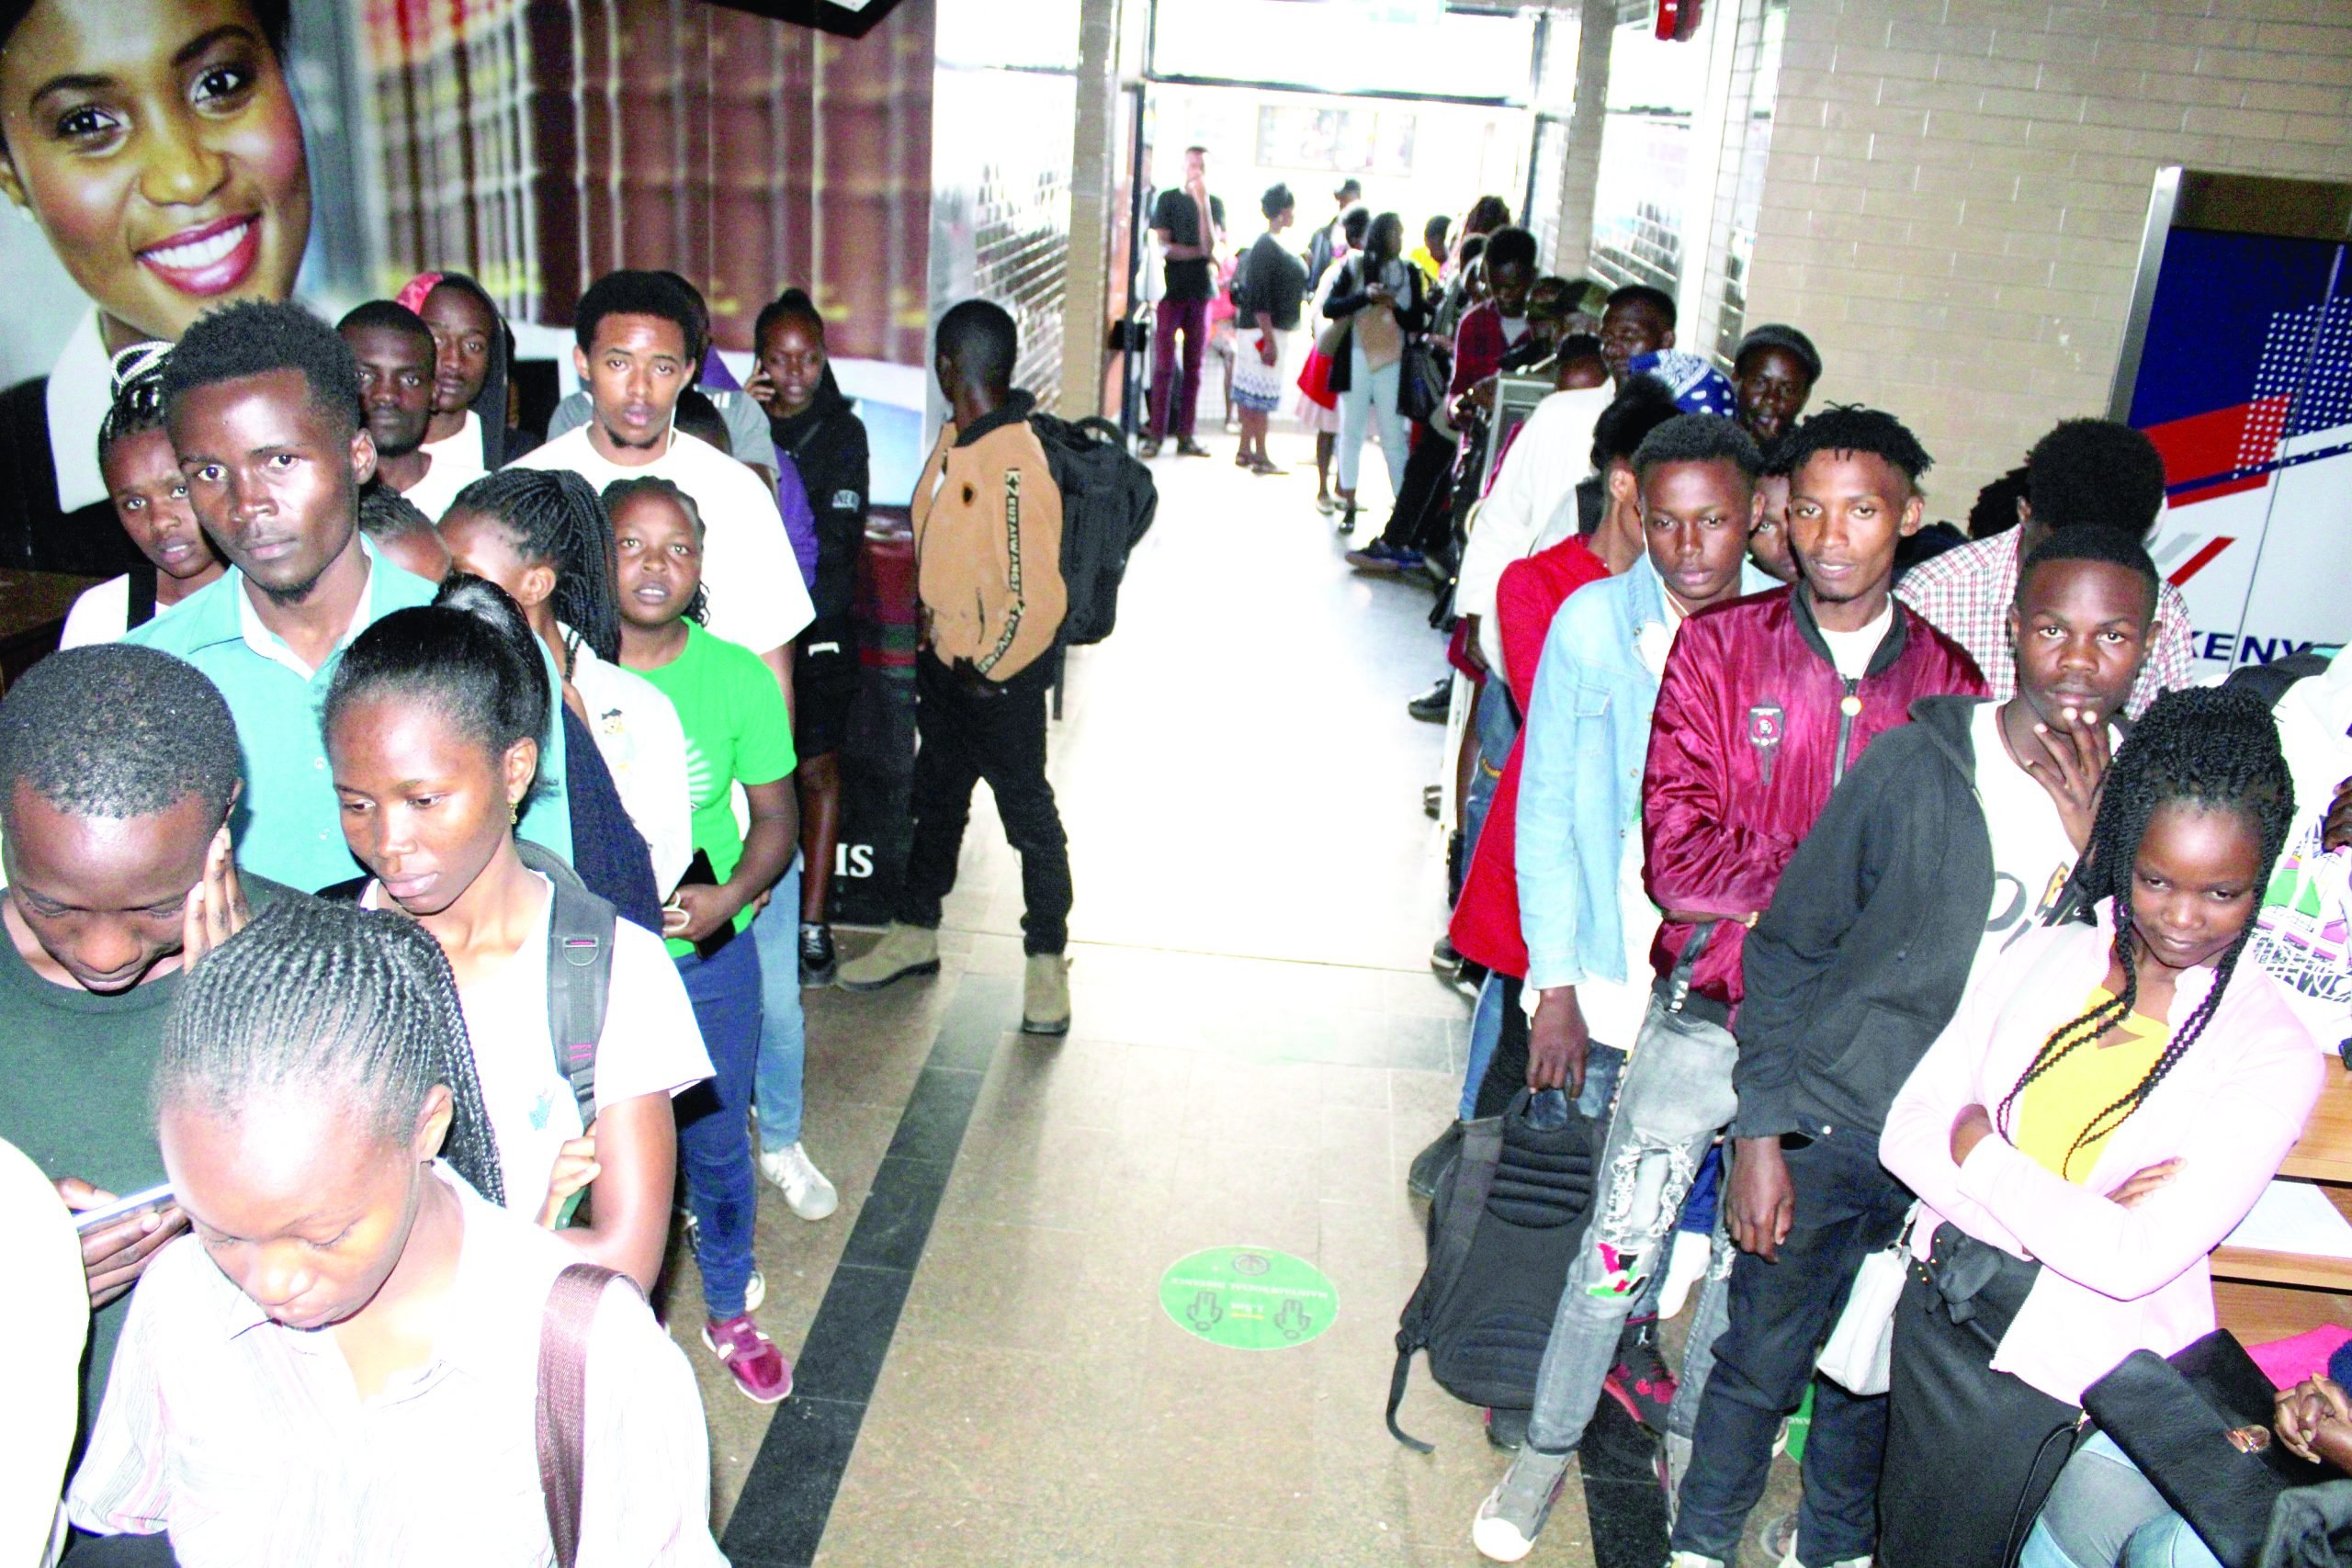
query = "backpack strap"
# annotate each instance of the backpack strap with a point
(1474, 1181)
(140, 596)
(561, 1411)
(580, 973)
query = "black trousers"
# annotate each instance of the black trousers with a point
(1971, 1452)
(1420, 519)
(963, 736)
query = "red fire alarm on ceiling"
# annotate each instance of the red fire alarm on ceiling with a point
(1677, 19)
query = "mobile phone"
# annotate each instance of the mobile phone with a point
(700, 874)
(155, 1197)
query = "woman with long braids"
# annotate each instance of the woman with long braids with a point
(2112, 1098)
(340, 1363)
(542, 536)
(432, 724)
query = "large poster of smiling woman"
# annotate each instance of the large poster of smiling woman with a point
(156, 145)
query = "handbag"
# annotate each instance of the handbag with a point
(2174, 1419)
(1859, 1353)
(1420, 389)
(560, 1412)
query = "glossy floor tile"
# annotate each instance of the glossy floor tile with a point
(987, 1373)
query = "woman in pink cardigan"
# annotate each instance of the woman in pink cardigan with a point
(2106, 1106)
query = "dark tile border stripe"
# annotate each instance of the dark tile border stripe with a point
(788, 1496)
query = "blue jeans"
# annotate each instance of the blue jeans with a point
(1779, 1313)
(713, 1126)
(784, 1029)
(2103, 1512)
(1496, 726)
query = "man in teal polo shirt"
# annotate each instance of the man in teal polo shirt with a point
(263, 404)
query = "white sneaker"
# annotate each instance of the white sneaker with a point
(756, 1292)
(805, 1191)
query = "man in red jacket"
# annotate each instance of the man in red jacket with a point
(1763, 704)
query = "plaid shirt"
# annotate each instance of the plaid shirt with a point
(1966, 594)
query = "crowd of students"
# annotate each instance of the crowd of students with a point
(1860, 880)
(405, 899)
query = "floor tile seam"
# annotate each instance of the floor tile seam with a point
(776, 1469)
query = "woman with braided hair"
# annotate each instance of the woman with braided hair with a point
(2109, 1100)
(542, 536)
(341, 1362)
(432, 725)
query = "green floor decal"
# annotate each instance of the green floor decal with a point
(1247, 1298)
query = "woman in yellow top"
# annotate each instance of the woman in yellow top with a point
(2073, 1177)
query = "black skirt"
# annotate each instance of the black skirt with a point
(1970, 1453)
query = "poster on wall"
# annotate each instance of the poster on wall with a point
(2244, 381)
(166, 157)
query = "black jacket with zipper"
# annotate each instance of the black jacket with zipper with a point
(1862, 958)
(826, 441)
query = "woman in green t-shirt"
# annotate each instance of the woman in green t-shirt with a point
(737, 733)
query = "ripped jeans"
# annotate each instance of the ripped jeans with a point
(1675, 1095)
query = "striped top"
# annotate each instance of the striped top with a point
(248, 1440)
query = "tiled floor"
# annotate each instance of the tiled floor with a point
(1259, 1048)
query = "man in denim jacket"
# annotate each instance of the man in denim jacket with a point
(1586, 918)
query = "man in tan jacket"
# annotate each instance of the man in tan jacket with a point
(987, 522)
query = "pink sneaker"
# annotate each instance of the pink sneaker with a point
(750, 1357)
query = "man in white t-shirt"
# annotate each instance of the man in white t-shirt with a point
(635, 333)
(1950, 838)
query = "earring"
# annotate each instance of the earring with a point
(514, 813)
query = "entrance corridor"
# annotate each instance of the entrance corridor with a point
(984, 1372)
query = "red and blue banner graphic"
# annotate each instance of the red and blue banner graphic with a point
(2245, 386)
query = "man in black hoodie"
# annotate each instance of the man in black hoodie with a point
(814, 426)
(1952, 836)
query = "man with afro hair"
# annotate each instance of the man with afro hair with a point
(2086, 473)
(262, 400)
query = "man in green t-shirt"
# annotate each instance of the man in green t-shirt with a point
(118, 770)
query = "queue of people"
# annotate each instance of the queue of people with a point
(420, 832)
(1868, 886)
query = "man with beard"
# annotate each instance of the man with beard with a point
(263, 403)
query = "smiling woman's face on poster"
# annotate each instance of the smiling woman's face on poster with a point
(156, 143)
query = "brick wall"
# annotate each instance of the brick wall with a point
(1956, 189)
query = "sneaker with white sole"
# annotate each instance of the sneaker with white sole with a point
(1778, 1539)
(805, 1191)
(1513, 1514)
(750, 1356)
(1692, 1560)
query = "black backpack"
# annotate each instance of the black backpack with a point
(580, 967)
(1508, 1214)
(1108, 500)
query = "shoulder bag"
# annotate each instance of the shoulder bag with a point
(561, 1410)
(1859, 1353)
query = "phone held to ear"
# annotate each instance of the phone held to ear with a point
(90, 1220)
(700, 874)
